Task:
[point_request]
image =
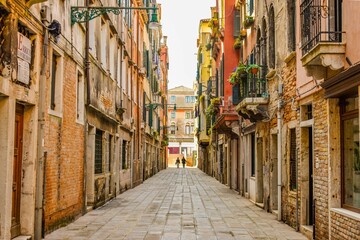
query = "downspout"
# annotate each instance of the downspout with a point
(131, 119)
(279, 144)
(87, 103)
(39, 194)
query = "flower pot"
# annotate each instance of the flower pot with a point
(243, 32)
(254, 70)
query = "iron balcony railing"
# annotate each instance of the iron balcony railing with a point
(319, 23)
(251, 86)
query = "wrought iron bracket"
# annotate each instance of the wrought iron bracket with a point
(81, 14)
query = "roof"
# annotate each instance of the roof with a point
(181, 89)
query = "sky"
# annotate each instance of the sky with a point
(180, 22)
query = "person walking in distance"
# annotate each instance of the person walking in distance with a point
(177, 162)
(183, 161)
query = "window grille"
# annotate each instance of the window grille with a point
(98, 152)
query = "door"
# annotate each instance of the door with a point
(16, 194)
(311, 193)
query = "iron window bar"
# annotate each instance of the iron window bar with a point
(317, 25)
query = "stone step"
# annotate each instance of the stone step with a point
(22, 238)
(307, 230)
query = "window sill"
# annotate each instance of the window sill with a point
(81, 122)
(347, 213)
(55, 113)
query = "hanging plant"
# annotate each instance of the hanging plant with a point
(243, 32)
(238, 74)
(249, 20)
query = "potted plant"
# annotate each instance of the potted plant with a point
(253, 68)
(249, 20)
(243, 32)
(237, 43)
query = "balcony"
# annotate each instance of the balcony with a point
(253, 97)
(227, 121)
(322, 47)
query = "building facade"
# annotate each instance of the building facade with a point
(297, 113)
(72, 106)
(181, 125)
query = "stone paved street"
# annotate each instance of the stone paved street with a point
(178, 204)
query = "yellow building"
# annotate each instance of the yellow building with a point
(202, 86)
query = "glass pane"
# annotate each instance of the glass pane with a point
(351, 163)
(351, 104)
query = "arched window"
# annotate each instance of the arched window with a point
(187, 128)
(271, 37)
(191, 128)
(172, 128)
(264, 43)
(258, 49)
(292, 25)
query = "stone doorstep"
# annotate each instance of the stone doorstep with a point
(22, 238)
(307, 230)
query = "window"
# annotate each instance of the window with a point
(187, 115)
(173, 114)
(80, 95)
(108, 159)
(172, 99)
(189, 99)
(172, 128)
(56, 83)
(112, 55)
(98, 152)
(292, 172)
(292, 25)
(271, 38)
(191, 128)
(249, 7)
(253, 154)
(187, 128)
(350, 165)
(123, 154)
(103, 44)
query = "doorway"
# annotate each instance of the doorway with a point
(307, 192)
(17, 166)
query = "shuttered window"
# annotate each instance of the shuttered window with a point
(98, 152)
(236, 94)
(236, 23)
(293, 182)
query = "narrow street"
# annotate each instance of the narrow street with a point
(178, 204)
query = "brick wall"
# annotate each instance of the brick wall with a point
(64, 143)
(321, 174)
(343, 227)
(290, 115)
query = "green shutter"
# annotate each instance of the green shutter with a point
(236, 23)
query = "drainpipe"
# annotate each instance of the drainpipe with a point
(87, 103)
(279, 120)
(39, 193)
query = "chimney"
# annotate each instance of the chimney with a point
(165, 40)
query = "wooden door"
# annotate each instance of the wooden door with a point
(16, 194)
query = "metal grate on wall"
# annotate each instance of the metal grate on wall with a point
(98, 152)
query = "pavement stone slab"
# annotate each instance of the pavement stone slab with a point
(178, 204)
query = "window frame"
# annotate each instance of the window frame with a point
(352, 114)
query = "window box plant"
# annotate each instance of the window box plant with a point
(249, 20)
(238, 74)
(237, 43)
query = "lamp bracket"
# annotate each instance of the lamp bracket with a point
(81, 14)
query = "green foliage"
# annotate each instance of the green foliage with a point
(236, 74)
